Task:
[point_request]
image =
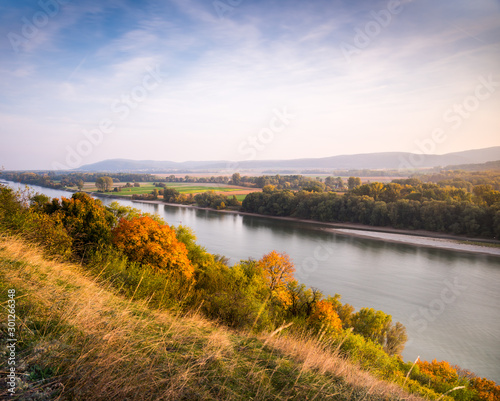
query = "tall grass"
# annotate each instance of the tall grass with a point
(80, 340)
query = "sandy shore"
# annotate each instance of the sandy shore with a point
(428, 242)
(421, 238)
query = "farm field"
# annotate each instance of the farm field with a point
(183, 188)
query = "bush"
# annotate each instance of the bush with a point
(49, 231)
(238, 296)
(152, 244)
(324, 318)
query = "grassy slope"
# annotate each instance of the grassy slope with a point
(79, 340)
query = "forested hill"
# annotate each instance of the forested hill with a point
(385, 160)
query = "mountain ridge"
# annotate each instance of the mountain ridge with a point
(378, 160)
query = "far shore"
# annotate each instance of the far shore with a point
(422, 238)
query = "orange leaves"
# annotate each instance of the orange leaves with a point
(278, 269)
(439, 370)
(325, 317)
(146, 241)
(486, 389)
(443, 374)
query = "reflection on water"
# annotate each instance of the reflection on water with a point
(449, 301)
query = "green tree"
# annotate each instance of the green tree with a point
(86, 220)
(236, 179)
(104, 184)
(371, 324)
(396, 338)
(170, 195)
(353, 182)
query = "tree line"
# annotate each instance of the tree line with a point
(406, 204)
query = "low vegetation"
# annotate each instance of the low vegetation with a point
(149, 314)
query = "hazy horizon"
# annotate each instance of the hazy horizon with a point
(245, 80)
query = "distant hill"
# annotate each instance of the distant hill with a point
(384, 160)
(494, 165)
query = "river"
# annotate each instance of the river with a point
(448, 300)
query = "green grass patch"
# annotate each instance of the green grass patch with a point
(148, 187)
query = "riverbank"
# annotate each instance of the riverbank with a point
(422, 238)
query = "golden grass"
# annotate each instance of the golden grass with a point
(100, 346)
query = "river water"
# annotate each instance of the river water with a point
(448, 300)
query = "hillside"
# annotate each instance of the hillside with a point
(384, 160)
(139, 310)
(78, 339)
(492, 165)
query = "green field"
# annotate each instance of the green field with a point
(193, 189)
(148, 187)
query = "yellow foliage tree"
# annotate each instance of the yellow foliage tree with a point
(324, 317)
(153, 244)
(278, 271)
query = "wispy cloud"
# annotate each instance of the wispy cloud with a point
(222, 77)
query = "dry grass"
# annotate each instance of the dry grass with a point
(317, 356)
(94, 345)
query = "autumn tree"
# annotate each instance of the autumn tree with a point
(325, 318)
(486, 389)
(152, 244)
(344, 311)
(278, 271)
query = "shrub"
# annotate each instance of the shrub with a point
(236, 295)
(49, 231)
(148, 242)
(324, 318)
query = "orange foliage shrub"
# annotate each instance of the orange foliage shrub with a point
(325, 317)
(148, 242)
(486, 389)
(439, 371)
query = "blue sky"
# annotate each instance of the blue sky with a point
(245, 79)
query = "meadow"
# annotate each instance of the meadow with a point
(183, 188)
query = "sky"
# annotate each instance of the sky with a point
(182, 80)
